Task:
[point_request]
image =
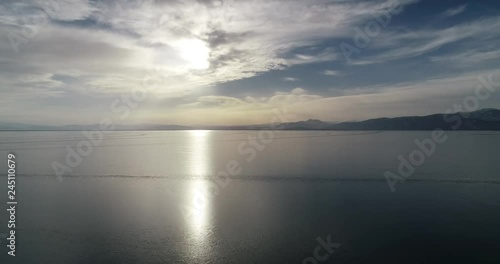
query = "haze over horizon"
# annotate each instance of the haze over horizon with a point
(235, 63)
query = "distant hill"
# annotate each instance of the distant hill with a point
(485, 119)
(311, 124)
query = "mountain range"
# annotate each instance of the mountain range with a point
(485, 119)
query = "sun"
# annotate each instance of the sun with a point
(195, 52)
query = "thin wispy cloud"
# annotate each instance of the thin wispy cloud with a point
(455, 11)
(332, 73)
(420, 42)
(290, 79)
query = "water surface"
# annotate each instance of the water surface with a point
(151, 197)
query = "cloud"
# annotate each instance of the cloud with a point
(455, 11)
(468, 58)
(398, 45)
(332, 73)
(86, 53)
(109, 47)
(437, 95)
(219, 101)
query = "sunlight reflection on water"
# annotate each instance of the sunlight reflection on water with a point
(199, 166)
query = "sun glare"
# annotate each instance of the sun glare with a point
(195, 52)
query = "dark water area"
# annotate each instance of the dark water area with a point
(163, 197)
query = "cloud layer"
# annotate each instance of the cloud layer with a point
(66, 61)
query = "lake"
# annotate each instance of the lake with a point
(253, 197)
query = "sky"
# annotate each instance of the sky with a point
(204, 62)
